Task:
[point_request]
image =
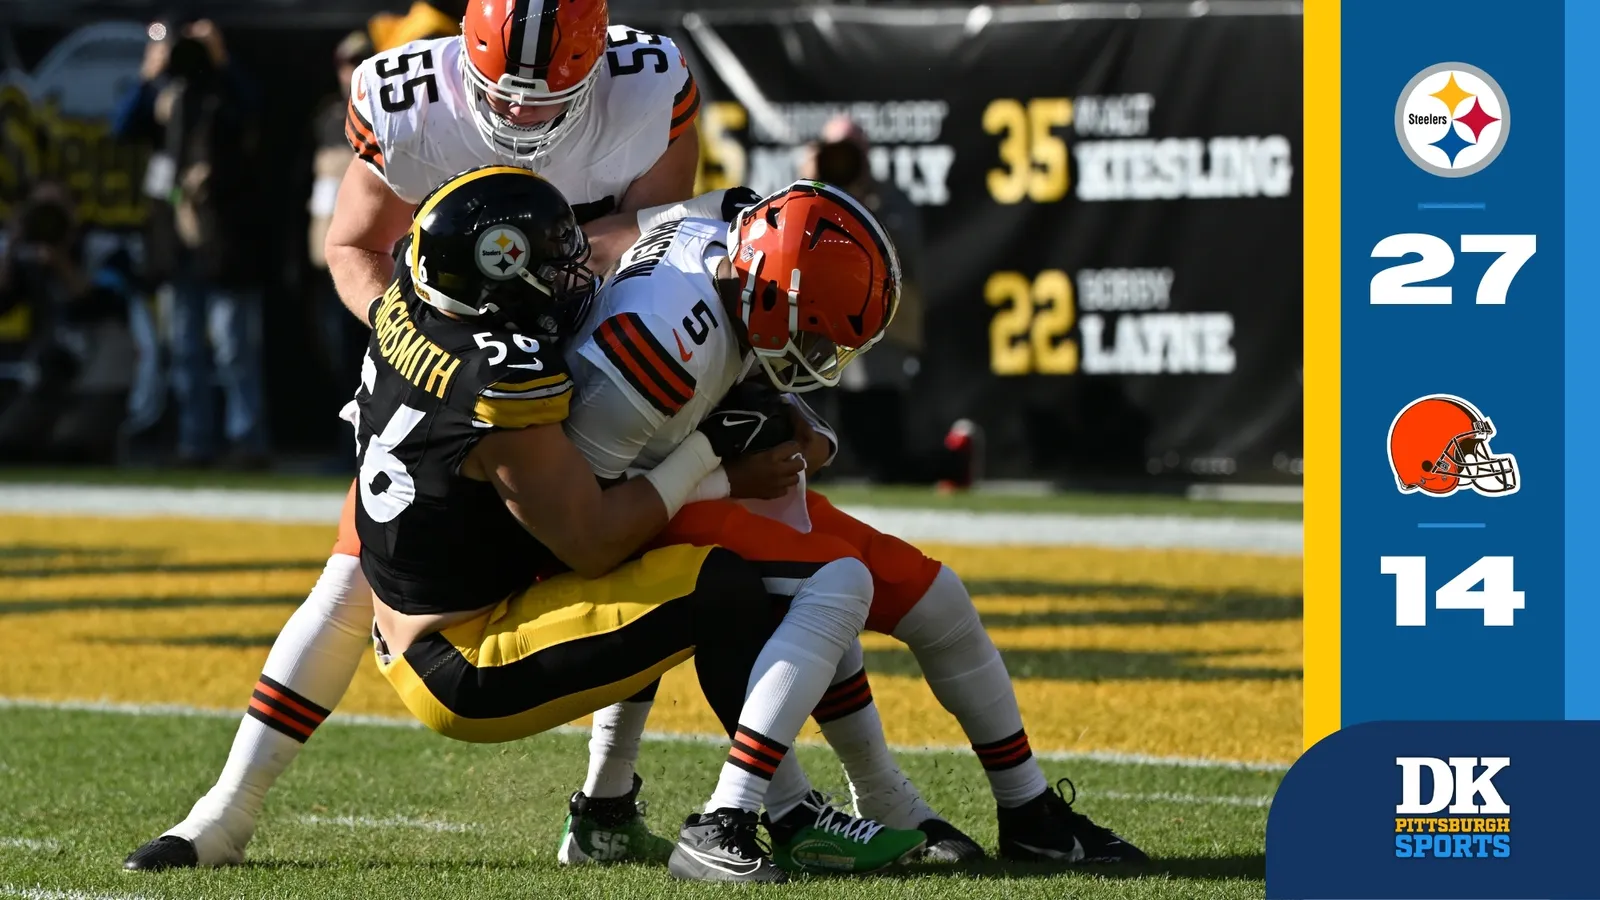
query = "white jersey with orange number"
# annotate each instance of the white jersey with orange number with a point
(410, 119)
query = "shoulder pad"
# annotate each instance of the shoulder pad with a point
(389, 96)
(524, 381)
(651, 82)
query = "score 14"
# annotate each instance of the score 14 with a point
(1397, 285)
(1498, 598)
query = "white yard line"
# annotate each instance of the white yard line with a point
(949, 526)
(32, 844)
(39, 893)
(1111, 757)
(389, 822)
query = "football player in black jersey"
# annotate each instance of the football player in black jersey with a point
(505, 601)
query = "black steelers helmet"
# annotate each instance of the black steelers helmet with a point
(500, 242)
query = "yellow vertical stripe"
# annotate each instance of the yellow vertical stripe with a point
(1322, 134)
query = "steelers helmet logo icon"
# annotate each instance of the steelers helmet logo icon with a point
(502, 252)
(1452, 119)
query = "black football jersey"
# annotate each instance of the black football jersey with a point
(433, 540)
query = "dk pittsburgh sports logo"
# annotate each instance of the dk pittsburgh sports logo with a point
(1439, 444)
(1452, 119)
(1468, 828)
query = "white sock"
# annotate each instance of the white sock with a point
(307, 672)
(614, 747)
(789, 786)
(853, 728)
(968, 676)
(790, 676)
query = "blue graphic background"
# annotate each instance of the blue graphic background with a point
(1532, 367)
(1583, 364)
(1330, 834)
(1506, 360)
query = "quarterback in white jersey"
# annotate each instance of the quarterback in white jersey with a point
(689, 314)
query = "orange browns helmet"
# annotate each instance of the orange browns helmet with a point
(531, 53)
(1439, 444)
(819, 282)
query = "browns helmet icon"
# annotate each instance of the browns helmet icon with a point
(1439, 444)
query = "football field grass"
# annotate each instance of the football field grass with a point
(1120, 657)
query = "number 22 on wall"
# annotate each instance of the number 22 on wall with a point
(1398, 285)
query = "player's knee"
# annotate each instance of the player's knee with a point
(841, 590)
(944, 616)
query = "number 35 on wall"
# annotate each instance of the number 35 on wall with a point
(1397, 285)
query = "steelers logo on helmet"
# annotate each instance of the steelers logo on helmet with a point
(502, 252)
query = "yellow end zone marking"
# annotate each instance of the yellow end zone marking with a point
(210, 655)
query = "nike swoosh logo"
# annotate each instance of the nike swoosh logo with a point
(683, 354)
(361, 89)
(1073, 855)
(719, 865)
(731, 423)
(532, 366)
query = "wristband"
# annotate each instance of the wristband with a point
(714, 486)
(679, 475)
(705, 206)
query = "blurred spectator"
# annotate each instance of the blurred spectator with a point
(343, 337)
(197, 112)
(870, 406)
(73, 375)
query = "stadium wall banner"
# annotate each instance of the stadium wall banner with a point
(1112, 210)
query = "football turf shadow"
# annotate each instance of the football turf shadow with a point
(1101, 665)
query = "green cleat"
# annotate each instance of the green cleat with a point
(610, 830)
(815, 837)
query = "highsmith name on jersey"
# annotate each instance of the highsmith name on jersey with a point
(433, 540)
(661, 332)
(410, 119)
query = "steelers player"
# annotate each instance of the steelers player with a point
(607, 114)
(506, 602)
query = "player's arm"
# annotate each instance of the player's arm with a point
(367, 221)
(368, 215)
(548, 485)
(669, 180)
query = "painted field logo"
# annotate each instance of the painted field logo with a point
(1452, 119)
(1476, 821)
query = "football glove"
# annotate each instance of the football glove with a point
(751, 418)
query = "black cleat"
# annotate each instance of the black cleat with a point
(947, 843)
(722, 846)
(1048, 829)
(166, 852)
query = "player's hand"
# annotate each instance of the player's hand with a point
(814, 445)
(734, 430)
(766, 475)
(736, 200)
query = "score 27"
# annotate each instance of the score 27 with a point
(1397, 285)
